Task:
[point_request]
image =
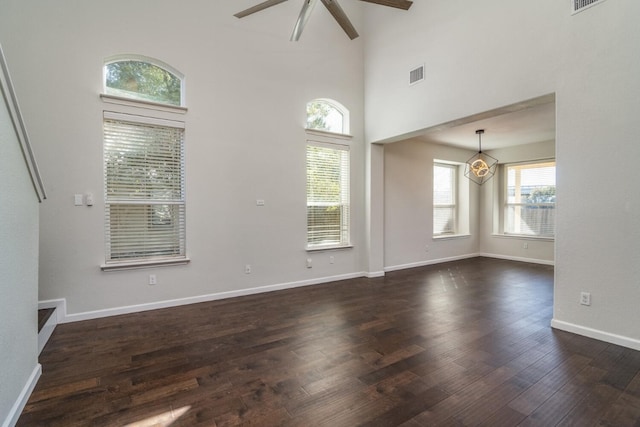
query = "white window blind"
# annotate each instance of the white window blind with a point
(328, 209)
(444, 199)
(530, 199)
(144, 188)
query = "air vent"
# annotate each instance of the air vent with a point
(416, 75)
(579, 5)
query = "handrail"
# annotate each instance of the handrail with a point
(13, 108)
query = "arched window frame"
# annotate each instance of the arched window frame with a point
(336, 106)
(150, 123)
(327, 230)
(141, 58)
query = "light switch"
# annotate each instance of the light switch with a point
(89, 198)
(78, 199)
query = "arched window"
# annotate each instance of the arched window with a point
(327, 115)
(143, 79)
(328, 176)
(144, 164)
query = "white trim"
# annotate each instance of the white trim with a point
(596, 334)
(134, 118)
(450, 236)
(519, 259)
(319, 248)
(326, 133)
(87, 315)
(13, 108)
(150, 105)
(45, 333)
(138, 264)
(334, 145)
(21, 402)
(429, 262)
(523, 237)
(59, 304)
(374, 274)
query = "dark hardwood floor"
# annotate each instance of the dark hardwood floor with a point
(461, 343)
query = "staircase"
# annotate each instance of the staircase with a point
(47, 321)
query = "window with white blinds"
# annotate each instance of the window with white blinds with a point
(530, 199)
(144, 188)
(444, 199)
(328, 208)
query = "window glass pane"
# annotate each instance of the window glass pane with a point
(531, 197)
(443, 185)
(328, 210)
(142, 81)
(322, 115)
(444, 199)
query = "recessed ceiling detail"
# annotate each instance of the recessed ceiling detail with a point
(332, 6)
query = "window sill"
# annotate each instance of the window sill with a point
(524, 237)
(327, 248)
(451, 236)
(133, 265)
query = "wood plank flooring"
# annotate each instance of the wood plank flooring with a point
(460, 343)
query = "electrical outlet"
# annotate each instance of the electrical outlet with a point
(331, 259)
(152, 279)
(585, 298)
(309, 263)
(247, 269)
(525, 245)
(426, 248)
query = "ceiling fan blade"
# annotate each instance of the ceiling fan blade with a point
(258, 8)
(341, 18)
(305, 13)
(400, 4)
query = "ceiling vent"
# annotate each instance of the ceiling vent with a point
(580, 5)
(416, 75)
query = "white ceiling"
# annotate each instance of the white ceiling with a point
(526, 126)
(503, 128)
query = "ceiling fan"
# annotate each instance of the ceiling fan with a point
(333, 7)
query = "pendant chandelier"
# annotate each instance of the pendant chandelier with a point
(481, 167)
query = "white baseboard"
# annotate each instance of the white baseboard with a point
(429, 262)
(374, 274)
(596, 334)
(21, 402)
(76, 317)
(515, 258)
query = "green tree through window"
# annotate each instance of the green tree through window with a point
(322, 115)
(143, 81)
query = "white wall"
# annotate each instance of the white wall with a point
(247, 87)
(408, 208)
(598, 241)
(18, 272)
(493, 244)
(483, 55)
